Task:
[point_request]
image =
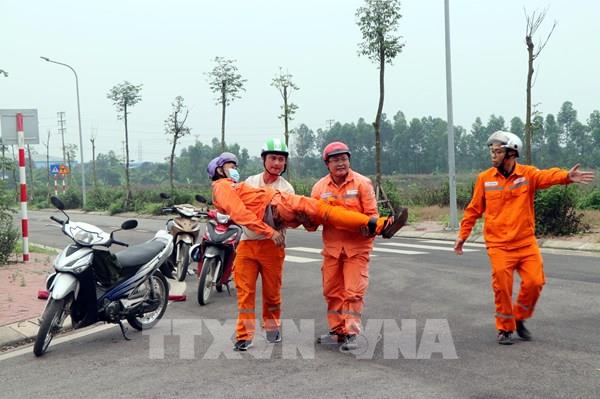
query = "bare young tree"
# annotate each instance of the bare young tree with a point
(227, 83)
(533, 23)
(93, 141)
(175, 128)
(283, 83)
(125, 96)
(378, 21)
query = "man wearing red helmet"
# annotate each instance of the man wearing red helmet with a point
(345, 253)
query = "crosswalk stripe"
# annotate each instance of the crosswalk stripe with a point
(299, 259)
(397, 244)
(466, 244)
(398, 251)
(305, 249)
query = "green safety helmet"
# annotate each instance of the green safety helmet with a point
(274, 146)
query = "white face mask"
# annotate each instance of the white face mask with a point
(234, 175)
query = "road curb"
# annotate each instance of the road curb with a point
(21, 332)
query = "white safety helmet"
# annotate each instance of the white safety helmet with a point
(507, 140)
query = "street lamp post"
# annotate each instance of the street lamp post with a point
(79, 121)
(3, 72)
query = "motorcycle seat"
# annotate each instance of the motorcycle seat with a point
(139, 254)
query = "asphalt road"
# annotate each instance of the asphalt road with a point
(429, 333)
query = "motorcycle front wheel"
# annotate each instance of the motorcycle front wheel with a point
(51, 322)
(205, 283)
(183, 260)
(161, 293)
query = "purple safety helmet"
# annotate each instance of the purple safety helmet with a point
(220, 161)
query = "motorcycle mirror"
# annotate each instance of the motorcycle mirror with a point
(57, 203)
(200, 198)
(164, 196)
(129, 224)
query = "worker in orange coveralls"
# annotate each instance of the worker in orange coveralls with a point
(257, 254)
(345, 253)
(505, 194)
(264, 209)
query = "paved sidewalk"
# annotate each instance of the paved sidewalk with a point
(19, 282)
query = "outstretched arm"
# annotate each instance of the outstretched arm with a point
(580, 176)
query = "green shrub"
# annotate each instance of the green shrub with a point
(101, 198)
(116, 207)
(71, 198)
(555, 212)
(8, 234)
(591, 200)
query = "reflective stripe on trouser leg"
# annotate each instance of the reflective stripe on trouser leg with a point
(356, 282)
(333, 292)
(246, 273)
(531, 271)
(503, 264)
(270, 258)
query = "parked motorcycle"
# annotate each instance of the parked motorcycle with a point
(91, 284)
(185, 229)
(215, 253)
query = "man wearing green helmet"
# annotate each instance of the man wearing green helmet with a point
(257, 254)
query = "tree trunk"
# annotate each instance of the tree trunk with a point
(285, 116)
(48, 162)
(224, 105)
(377, 124)
(129, 196)
(94, 163)
(171, 160)
(528, 127)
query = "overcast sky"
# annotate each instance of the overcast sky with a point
(168, 46)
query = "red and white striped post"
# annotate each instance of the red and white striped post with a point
(24, 219)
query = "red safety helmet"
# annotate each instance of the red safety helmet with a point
(335, 148)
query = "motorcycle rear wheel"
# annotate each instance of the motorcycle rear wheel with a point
(205, 282)
(161, 291)
(183, 260)
(51, 322)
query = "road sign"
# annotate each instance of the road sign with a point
(64, 170)
(54, 169)
(8, 126)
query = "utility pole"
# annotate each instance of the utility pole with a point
(330, 123)
(61, 129)
(47, 145)
(31, 192)
(453, 223)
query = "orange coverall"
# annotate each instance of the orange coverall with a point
(259, 255)
(346, 254)
(509, 233)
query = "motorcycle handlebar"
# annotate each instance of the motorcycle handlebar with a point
(120, 243)
(57, 220)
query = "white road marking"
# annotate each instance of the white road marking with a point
(305, 249)
(466, 244)
(398, 244)
(398, 251)
(299, 259)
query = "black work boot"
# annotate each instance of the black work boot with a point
(395, 223)
(504, 337)
(331, 338)
(350, 343)
(242, 345)
(522, 331)
(273, 336)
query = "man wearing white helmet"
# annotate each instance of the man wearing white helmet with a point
(257, 254)
(505, 193)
